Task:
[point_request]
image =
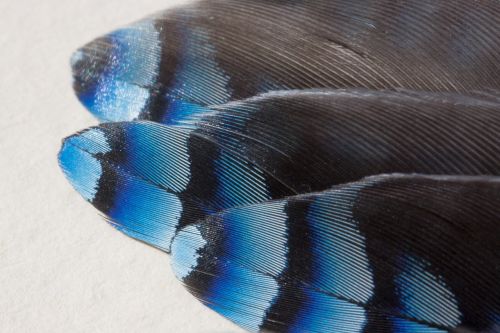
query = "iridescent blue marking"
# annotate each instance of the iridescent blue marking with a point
(123, 88)
(322, 313)
(255, 245)
(81, 168)
(405, 326)
(183, 114)
(425, 296)
(236, 292)
(257, 235)
(159, 153)
(238, 183)
(93, 141)
(198, 80)
(146, 204)
(242, 295)
(143, 202)
(145, 211)
(186, 251)
(113, 100)
(339, 260)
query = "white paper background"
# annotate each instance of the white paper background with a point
(62, 269)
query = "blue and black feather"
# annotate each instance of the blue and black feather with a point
(150, 179)
(262, 149)
(215, 51)
(257, 123)
(386, 254)
(392, 253)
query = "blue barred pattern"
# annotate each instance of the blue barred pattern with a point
(217, 186)
(122, 88)
(307, 263)
(143, 177)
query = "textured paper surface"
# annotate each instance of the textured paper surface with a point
(62, 269)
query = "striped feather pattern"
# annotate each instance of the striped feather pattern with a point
(398, 254)
(310, 165)
(214, 51)
(261, 149)
(150, 179)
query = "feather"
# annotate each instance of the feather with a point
(165, 67)
(313, 139)
(390, 253)
(150, 179)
